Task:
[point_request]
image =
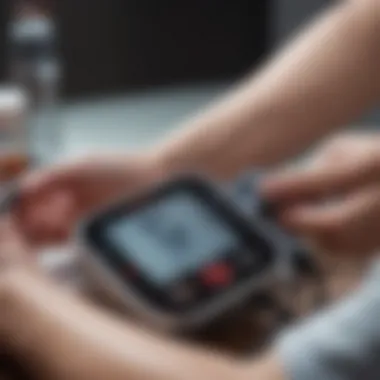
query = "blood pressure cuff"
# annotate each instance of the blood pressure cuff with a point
(341, 343)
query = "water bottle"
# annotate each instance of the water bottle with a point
(34, 67)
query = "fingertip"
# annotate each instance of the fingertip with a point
(281, 187)
(304, 219)
(269, 186)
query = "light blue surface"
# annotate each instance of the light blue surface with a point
(130, 122)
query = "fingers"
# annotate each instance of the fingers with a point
(53, 199)
(318, 181)
(68, 172)
(351, 224)
(49, 220)
(46, 207)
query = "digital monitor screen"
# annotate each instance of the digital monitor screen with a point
(172, 238)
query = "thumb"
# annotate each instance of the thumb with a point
(60, 175)
(46, 178)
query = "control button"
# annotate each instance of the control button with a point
(218, 275)
(246, 260)
(182, 294)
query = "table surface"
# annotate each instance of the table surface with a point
(119, 123)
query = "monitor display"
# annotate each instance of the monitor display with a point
(172, 238)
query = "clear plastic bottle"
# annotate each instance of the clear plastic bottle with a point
(34, 66)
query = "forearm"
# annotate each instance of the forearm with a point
(62, 338)
(322, 80)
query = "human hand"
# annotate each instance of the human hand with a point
(52, 200)
(335, 197)
(14, 251)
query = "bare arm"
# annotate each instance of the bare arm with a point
(322, 80)
(67, 339)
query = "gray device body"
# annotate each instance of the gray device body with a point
(280, 280)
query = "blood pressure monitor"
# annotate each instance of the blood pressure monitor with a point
(187, 252)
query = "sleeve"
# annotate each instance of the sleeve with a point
(340, 343)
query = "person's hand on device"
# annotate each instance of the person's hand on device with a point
(335, 197)
(52, 200)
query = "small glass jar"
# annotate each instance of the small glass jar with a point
(14, 139)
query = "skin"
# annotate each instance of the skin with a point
(322, 80)
(335, 197)
(75, 340)
(325, 78)
(53, 200)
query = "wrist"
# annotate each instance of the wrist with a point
(175, 157)
(169, 161)
(159, 164)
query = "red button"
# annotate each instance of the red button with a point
(217, 275)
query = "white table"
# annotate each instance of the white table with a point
(127, 123)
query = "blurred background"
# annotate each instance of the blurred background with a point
(121, 73)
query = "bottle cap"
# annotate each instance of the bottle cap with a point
(13, 100)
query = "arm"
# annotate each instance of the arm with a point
(66, 339)
(324, 79)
